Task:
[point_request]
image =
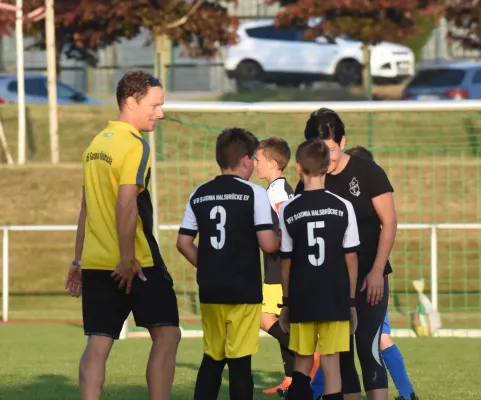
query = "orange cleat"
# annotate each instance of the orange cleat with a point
(315, 366)
(283, 385)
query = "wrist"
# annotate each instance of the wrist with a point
(352, 302)
(378, 267)
(76, 263)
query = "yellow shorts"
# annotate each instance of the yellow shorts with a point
(331, 337)
(230, 330)
(272, 295)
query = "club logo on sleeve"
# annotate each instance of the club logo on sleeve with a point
(354, 187)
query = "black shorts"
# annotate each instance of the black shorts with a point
(105, 307)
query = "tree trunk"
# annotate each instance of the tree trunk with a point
(366, 71)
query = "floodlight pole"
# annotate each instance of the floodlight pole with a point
(20, 82)
(52, 80)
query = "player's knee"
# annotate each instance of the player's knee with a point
(240, 364)
(386, 341)
(374, 373)
(165, 338)
(211, 366)
(330, 364)
(304, 364)
(98, 347)
(240, 373)
(267, 320)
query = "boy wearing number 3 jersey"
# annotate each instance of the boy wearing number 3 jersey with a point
(318, 272)
(233, 219)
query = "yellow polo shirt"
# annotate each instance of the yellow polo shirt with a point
(116, 156)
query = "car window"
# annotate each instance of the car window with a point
(299, 35)
(12, 87)
(348, 38)
(438, 77)
(65, 91)
(36, 87)
(33, 87)
(273, 33)
(477, 76)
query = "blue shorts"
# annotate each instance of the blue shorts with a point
(386, 328)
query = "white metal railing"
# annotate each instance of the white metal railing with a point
(309, 106)
(55, 228)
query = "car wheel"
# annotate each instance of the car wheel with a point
(349, 73)
(249, 75)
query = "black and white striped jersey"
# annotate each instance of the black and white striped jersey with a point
(227, 212)
(278, 192)
(318, 228)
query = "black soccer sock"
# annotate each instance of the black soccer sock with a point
(300, 388)
(276, 332)
(209, 379)
(289, 360)
(288, 356)
(241, 382)
(333, 396)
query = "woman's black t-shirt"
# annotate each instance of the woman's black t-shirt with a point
(359, 182)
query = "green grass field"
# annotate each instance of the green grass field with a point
(431, 159)
(39, 362)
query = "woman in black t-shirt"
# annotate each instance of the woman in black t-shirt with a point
(366, 186)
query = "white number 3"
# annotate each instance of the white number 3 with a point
(218, 242)
(312, 240)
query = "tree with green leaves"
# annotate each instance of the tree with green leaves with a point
(370, 21)
(85, 26)
(464, 17)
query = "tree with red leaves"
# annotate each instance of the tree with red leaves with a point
(465, 19)
(369, 21)
(8, 14)
(85, 26)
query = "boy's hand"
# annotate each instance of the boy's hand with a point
(352, 320)
(284, 319)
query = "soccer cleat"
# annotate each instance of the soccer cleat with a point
(284, 385)
(412, 397)
(282, 393)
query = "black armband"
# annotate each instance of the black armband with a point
(352, 302)
(285, 302)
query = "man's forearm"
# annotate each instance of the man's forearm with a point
(386, 243)
(127, 216)
(285, 275)
(80, 236)
(352, 269)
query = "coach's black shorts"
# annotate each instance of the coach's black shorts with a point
(105, 307)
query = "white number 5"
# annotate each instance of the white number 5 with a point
(312, 240)
(218, 243)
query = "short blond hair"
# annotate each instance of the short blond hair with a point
(277, 149)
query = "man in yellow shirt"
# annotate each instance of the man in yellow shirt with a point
(118, 267)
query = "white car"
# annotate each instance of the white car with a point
(266, 53)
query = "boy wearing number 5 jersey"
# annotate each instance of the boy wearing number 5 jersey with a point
(233, 219)
(318, 272)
